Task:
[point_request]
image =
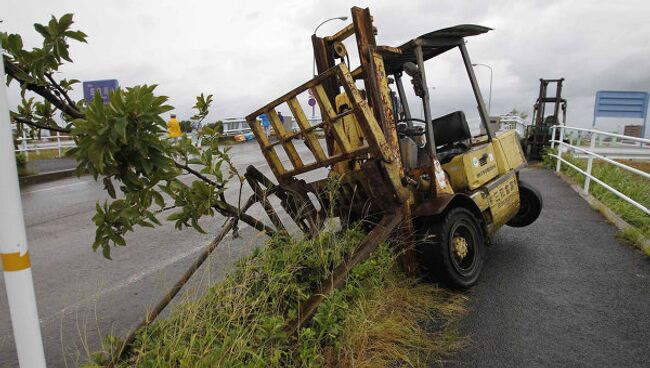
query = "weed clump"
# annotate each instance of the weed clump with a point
(378, 318)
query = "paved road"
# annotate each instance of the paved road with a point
(81, 296)
(55, 164)
(560, 293)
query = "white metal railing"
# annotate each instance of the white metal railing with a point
(513, 122)
(62, 141)
(591, 154)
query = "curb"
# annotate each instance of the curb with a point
(607, 213)
(45, 177)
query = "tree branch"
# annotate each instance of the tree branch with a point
(18, 119)
(197, 174)
(62, 91)
(13, 71)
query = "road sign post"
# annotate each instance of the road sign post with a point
(13, 250)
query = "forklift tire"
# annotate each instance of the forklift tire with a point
(530, 206)
(455, 251)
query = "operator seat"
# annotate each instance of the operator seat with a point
(452, 135)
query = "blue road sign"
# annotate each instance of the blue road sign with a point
(103, 86)
(622, 104)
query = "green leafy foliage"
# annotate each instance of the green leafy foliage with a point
(124, 142)
(202, 107)
(37, 63)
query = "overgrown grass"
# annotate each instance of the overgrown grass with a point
(379, 318)
(631, 185)
(46, 154)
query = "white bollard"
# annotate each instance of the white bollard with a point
(13, 250)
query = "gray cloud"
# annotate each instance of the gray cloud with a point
(248, 53)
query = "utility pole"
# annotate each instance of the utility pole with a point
(13, 249)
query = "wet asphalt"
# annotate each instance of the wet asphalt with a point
(563, 292)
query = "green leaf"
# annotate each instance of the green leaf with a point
(106, 251)
(42, 30)
(76, 35)
(108, 185)
(65, 22)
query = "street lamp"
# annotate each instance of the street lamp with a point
(316, 30)
(490, 95)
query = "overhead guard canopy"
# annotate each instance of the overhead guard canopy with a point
(433, 44)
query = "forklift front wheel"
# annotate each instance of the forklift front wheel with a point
(454, 249)
(530, 206)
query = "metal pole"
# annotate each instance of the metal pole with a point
(13, 250)
(24, 143)
(553, 137)
(426, 107)
(58, 142)
(590, 162)
(559, 149)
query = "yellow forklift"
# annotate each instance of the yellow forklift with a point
(427, 185)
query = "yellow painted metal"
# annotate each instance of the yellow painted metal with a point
(269, 152)
(351, 130)
(470, 170)
(310, 136)
(330, 115)
(504, 201)
(373, 144)
(508, 152)
(289, 148)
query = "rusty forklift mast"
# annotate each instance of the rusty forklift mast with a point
(538, 134)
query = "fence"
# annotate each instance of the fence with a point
(36, 145)
(590, 154)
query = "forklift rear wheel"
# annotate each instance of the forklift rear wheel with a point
(530, 206)
(455, 253)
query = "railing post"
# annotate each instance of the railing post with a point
(590, 161)
(58, 142)
(25, 144)
(553, 137)
(559, 149)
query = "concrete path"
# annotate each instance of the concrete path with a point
(562, 292)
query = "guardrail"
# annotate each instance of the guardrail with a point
(62, 141)
(590, 154)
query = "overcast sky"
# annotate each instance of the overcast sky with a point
(247, 53)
